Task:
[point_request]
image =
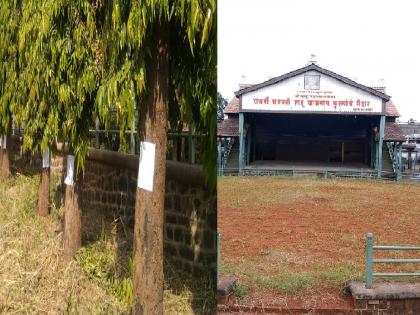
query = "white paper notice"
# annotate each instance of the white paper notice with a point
(70, 170)
(146, 166)
(4, 141)
(46, 158)
(1, 141)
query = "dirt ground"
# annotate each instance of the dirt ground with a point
(295, 242)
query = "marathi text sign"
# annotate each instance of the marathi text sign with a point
(295, 104)
(330, 96)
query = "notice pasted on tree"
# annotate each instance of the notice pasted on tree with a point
(146, 165)
(46, 158)
(70, 170)
(4, 141)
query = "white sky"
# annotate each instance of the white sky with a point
(359, 39)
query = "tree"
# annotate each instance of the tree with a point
(221, 104)
(162, 56)
(59, 40)
(79, 60)
(10, 12)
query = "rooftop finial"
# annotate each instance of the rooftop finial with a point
(312, 60)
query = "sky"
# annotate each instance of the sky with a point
(372, 42)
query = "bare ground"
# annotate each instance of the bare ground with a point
(295, 242)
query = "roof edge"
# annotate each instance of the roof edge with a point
(316, 68)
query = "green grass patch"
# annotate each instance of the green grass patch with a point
(290, 281)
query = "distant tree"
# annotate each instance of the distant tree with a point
(221, 104)
(10, 15)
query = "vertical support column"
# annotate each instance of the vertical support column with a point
(219, 256)
(241, 141)
(191, 144)
(399, 160)
(219, 157)
(248, 145)
(380, 143)
(97, 132)
(372, 149)
(369, 254)
(132, 139)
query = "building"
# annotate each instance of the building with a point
(411, 147)
(311, 118)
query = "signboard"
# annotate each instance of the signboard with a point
(146, 166)
(70, 170)
(311, 92)
(46, 158)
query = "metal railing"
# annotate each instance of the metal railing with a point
(357, 173)
(370, 247)
(393, 156)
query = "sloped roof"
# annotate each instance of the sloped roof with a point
(391, 110)
(232, 107)
(318, 69)
(228, 128)
(393, 132)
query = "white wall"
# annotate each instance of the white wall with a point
(333, 96)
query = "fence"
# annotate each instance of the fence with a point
(370, 261)
(359, 173)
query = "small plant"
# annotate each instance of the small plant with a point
(290, 281)
(240, 290)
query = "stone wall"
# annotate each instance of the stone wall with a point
(108, 201)
(387, 306)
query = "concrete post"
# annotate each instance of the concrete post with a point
(241, 141)
(399, 161)
(380, 143)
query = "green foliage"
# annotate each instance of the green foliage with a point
(127, 34)
(64, 62)
(98, 262)
(9, 23)
(221, 104)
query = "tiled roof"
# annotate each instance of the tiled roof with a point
(393, 132)
(232, 107)
(318, 69)
(391, 110)
(228, 128)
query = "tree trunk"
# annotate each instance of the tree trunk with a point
(5, 161)
(148, 229)
(44, 192)
(72, 238)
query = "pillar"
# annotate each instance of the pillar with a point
(399, 160)
(241, 141)
(248, 145)
(219, 156)
(191, 144)
(380, 143)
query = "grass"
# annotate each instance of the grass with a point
(305, 236)
(35, 279)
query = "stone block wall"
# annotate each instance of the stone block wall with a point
(387, 306)
(108, 200)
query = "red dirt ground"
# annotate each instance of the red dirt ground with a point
(310, 225)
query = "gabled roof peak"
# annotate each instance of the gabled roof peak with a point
(317, 68)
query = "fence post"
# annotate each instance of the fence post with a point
(369, 254)
(97, 132)
(218, 254)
